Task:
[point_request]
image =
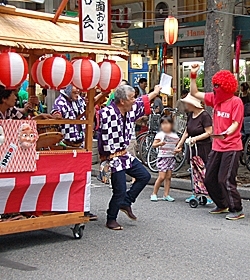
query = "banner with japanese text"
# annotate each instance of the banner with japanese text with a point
(95, 21)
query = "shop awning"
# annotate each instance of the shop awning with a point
(29, 30)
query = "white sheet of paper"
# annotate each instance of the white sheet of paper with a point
(165, 83)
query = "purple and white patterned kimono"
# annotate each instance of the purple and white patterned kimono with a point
(116, 130)
(70, 110)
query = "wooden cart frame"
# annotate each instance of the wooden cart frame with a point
(34, 48)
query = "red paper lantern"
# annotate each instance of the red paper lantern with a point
(13, 70)
(57, 72)
(111, 75)
(36, 73)
(171, 30)
(86, 73)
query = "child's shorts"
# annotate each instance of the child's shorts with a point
(166, 163)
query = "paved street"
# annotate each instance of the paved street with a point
(169, 241)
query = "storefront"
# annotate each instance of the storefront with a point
(188, 49)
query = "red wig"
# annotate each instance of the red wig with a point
(226, 80)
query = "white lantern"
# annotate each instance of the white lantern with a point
(171, 30)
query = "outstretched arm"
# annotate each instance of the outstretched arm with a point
(155, 93)
(193, 86)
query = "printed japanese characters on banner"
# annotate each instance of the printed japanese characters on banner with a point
(18, 145)
(94, 16)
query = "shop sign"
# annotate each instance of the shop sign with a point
(94, 16)
(136, 76)
(136, 61)
(185, 34)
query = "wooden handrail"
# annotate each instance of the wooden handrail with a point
(67, 121)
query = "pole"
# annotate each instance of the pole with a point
(90, 112)
(59, 10)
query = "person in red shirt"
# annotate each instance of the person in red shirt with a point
(223, 161)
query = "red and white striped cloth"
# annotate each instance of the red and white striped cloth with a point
(61, 183)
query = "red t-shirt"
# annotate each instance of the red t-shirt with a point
(224, 115)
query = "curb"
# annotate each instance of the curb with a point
(179, 184)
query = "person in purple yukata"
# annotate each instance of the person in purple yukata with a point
(70, 105)
(115, 132)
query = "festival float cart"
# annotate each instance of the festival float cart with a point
(51, 187)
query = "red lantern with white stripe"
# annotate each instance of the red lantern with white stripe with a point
(86, 73)
(57, 72)
(13, 70)
(111, 75)
(171, 30)
(36, 73)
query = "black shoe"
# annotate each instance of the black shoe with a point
(128, 211)
(91, 216)
(112, 224)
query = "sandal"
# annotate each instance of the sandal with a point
(113, 225)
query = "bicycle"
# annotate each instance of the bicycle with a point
(144, 139)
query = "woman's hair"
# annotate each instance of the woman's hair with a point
(4, 93)
(137, 92)
(168, 119)
(245, 86)
(125, 82)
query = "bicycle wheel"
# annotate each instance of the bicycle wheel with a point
(152, 159)
(247, 153)
(180, 158)
(137, 146)
(145, 144)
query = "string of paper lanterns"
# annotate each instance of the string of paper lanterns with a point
(83, 73)
(57, 72)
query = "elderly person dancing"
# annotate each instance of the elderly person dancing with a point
(115, 132)
(223, 161)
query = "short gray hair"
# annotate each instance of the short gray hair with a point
(122, 92)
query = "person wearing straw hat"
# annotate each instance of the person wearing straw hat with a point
(199, 128)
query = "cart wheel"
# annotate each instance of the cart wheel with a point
(193, 203)
(203, 200)
(78, 231)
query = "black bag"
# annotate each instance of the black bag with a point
(247, 110)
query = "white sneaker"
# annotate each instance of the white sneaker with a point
(154, 198)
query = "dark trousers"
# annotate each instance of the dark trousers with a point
(122, 197)
(220, 180)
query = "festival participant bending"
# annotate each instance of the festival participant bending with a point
(223, 161)
(115, 132)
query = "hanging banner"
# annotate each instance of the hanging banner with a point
(60, 183)
(18, 145)
(95, 21)
(237, 53)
